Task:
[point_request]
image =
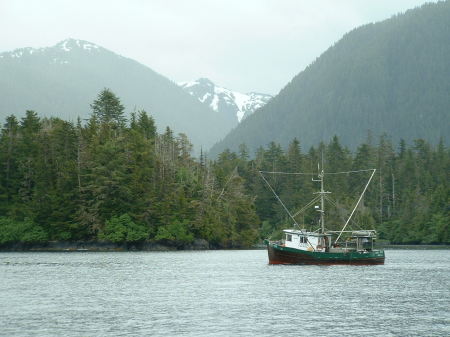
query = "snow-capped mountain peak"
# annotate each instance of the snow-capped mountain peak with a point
(60, 48)
(223, 99)
(70, 44)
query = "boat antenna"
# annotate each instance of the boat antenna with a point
(322, 159)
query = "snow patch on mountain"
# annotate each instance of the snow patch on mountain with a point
(63, 46)
(70, 44)
(223, 99)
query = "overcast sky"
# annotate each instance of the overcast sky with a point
(245, 45)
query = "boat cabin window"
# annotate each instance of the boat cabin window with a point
(288, 237)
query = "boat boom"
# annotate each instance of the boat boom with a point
(354, 209)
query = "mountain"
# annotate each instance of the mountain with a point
(63, 80)
(221, 99)
(388, 77)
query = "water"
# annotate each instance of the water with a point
(221, 293)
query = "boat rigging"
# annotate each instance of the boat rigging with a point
(300, 246)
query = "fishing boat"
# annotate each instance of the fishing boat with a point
(322, 246)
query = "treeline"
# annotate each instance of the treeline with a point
(109, 179)
(115, 180)
(408, 200)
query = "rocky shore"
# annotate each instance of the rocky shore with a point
(62, 246)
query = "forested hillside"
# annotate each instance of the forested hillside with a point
(389, 77)
(407, 201)
(117, 180)
(62, 80)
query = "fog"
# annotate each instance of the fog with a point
(252, 45)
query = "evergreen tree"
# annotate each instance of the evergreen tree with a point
(60, 181)
(108, 108)
(9, 154)
(146, 125)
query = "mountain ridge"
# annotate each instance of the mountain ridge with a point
(220, 98)
(63, 80)
(388, 77)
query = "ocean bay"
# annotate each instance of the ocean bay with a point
(221, 293)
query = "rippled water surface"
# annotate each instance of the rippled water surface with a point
(221, 293)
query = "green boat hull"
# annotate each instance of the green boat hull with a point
(279, 254)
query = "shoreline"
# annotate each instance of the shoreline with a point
(417, 247)
(81, 246)
(86, 246)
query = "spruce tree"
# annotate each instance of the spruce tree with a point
(108, 108)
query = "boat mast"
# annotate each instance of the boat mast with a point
(322, 202)
(322, 197)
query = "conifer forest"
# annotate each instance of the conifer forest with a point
(117, 179)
